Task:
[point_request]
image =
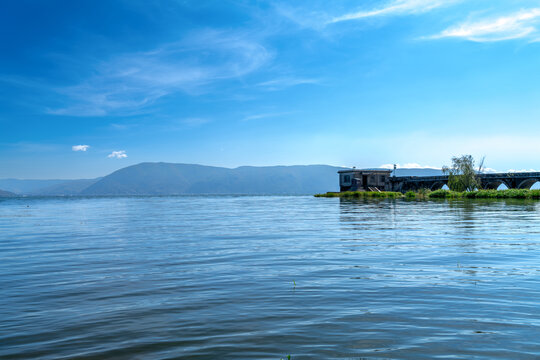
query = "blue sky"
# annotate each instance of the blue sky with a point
(231, 83)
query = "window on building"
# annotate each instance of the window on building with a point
(347, 178)
(383, 178)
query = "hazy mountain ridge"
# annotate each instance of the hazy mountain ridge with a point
(66, 188)
(46, 187)
(171, 179)
(19, 186)
(419, 172)
(4, 193)
(178, 179)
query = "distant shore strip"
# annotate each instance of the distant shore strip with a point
(439, 194)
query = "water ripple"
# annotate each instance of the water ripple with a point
(240, 277)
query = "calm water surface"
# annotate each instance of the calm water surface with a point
(214, 278)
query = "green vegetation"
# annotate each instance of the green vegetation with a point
(462, 175)
(421, 194)
(444, 194)
(486, 194)
(410, 194)
(362, 194)
(424, 194)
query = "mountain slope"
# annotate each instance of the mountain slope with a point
(6, 194)
(170, 179)
(46, 187)
(26, 186)
(419, 172)
(66, 188)
(176, 179)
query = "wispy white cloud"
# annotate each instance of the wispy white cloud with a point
(194, 121)
(522, 170)
(396, 7)
(409, 166)
(119, 126)
(80, 147)
(522, 24)
(303, 17)
(121, 154)
(489, 170)
(266, 115)
(318, 17)
(282, 83)
(131, 81)
(181, 124)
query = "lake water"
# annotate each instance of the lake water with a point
(263, 277)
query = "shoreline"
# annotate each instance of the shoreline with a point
(439, 194)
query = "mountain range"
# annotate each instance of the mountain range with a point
(179, 179)
(7, 194)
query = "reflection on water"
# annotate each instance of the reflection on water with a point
(261, 277)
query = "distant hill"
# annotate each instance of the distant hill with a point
(177, 179)
(26, 186)
(6, 194)
(65, 188)
(170, 179)
(418, 172)
(46, 187)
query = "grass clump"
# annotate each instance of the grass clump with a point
(424, 194)
(362, 194)
(421, 194)
(410, 195)
(445, 194)
(328, 195)
(486, 194)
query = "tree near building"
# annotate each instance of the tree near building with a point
(462, 175)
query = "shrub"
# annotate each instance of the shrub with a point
(328, 194)
(462, 175)
(445, 194)
(410, 194)
(516, 193)
(535, 194)
(487, 194)
(439, 194)
(423, 193)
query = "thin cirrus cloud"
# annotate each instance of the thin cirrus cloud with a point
(194, 121)
(121, 154)
(319, 18)
(128, 82)
(80, 147)
(266, 115)
(521, 24)
(397, 7)
(282, 83)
